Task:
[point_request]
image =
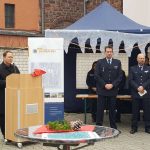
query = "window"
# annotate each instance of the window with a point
(9, 15)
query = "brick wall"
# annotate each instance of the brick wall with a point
(58, 14)
(62, 13)
(20, 58)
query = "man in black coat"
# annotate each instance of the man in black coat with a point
(139, 79)
(91, 83)
(108, 76)
(6, 68)
(121, 91)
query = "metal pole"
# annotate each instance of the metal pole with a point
(42, 16)
(84, 9)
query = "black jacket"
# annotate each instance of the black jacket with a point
(4, 72)
(139, 78)
(122, 84)
(105, 74)
(90, 81)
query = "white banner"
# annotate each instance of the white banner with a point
(47, 54)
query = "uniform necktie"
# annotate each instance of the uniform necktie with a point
(141, 68)
(109, 61)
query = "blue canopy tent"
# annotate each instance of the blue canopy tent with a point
(104, 17)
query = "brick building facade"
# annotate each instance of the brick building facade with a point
(62, 13)
(47, 14)
(18, 21)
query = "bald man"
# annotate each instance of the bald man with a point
(139, 80)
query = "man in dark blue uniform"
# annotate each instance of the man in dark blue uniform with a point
(6, 68)
(91, 83)
(139, 79)
(108, 76)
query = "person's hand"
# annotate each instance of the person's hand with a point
(94, 88)
(108, 86)
(140, 89)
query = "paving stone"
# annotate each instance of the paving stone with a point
(125, 141)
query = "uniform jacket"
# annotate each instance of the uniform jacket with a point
(4, 72)
(138, 77)
(90, 81)
(108, 73)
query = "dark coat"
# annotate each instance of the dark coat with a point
(4, 72)
(105, 74)
(122, 84)
(139, 78)
(90, 81)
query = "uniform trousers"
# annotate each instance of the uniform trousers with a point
(112, 110)
(136, 109)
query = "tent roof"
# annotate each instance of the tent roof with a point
(105, 17)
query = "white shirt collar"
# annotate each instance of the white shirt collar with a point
(109, 59)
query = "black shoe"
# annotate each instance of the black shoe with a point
(98, 124)
(132, 131)
(147, 131)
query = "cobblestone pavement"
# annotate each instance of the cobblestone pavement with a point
(125, 141)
